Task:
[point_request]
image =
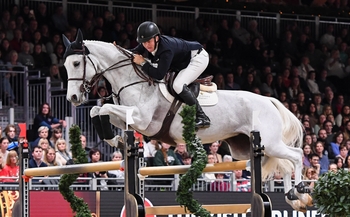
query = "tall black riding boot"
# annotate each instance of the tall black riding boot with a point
(202, 120)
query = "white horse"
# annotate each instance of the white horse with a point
(231, 118)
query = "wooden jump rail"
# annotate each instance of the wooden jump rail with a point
(182, 169)
(73, 169)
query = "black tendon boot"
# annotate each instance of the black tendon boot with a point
(202, 120)
(114, 141)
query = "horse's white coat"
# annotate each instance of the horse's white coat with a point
(281, 132)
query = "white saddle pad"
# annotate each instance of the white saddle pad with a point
(205, 98)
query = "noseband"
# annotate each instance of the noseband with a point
(86, 85)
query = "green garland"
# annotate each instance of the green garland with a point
(77, 204)
(194, 146)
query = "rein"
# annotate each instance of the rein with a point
(86, 86)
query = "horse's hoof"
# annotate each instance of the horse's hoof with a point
(309, 201)
(298, 206)
(117, 142)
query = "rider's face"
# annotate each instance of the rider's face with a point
(150, 45)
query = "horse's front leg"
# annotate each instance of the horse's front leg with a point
(103, 128)
(116, 115)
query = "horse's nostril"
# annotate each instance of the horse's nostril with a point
(74, 98)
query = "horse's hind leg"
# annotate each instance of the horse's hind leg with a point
(103, 128)
(282, 151)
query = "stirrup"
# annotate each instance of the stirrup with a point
(202, 123)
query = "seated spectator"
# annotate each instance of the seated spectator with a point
(10, 133)
(335, 145)
(219, 81)
(165, 156)
(213, 149)
(220, 184)
(95, 156)
(42, 59)
(339, 162)
(83, 144)
(230, 53)
(17, 40)
(5, 49)
(50, 158)
(52, 43)
(117, 156)
(55, 76)
(312, 83)
(310, 174)
(254, 32)
(242, 184)
(44, 144)
(36, 161)
(24, 57)
(179, 151)
(43, 133)
(63, 155)
(315, 163)
(150, 150)
(335, 68)
(186, 158)
(56, 134)
(307, 150)
(230, 82)
(12, 167)
(3, 173)
(333, 167)
(57, 55)
(209, 177)
(305, 68)
(214, 45)
(37, 41)
(315, 56)
(59, 20)
(240, 33)
(323, 159)
(278, 181)
(269, 86)
(4, 142)
(289, 48)
(328, 38)
(343, 152)
(45, 118)
(347, 163)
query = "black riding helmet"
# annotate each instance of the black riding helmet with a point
(146, 31)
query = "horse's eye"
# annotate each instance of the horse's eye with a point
(76, 64)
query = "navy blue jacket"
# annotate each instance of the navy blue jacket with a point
(172, 54)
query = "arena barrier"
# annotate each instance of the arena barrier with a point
(260, 204)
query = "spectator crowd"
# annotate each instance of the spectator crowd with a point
(308, 75)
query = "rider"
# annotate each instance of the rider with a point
(169, 53)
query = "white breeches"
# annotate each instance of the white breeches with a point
(198, 64)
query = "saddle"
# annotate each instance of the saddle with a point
(194, 86)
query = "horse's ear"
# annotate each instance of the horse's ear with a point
(66, 41)
(79, 39)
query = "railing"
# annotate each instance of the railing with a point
(152, 184)
(271, 25)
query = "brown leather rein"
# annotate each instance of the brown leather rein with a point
(86, 85)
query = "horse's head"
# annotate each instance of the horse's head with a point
(80, 71)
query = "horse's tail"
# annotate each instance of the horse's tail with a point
(292, 129)
(292, 135)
